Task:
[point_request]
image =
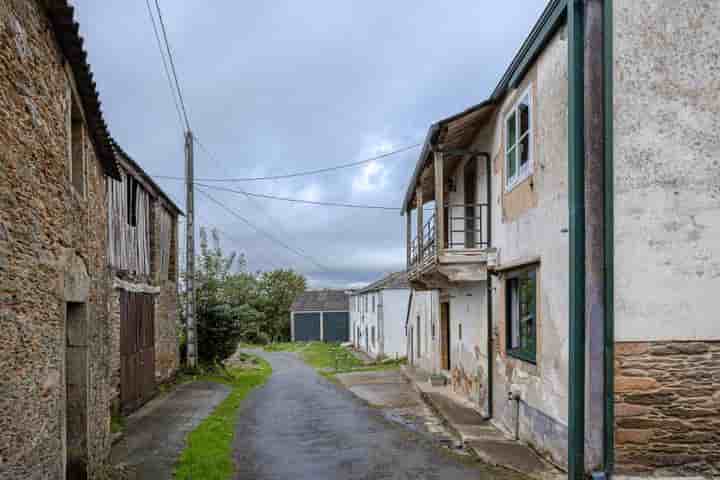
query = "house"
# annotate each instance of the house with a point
(59, 346)
(143, 261)
(564, 235)
(320, 315)
(377, 316)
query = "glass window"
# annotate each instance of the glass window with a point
(518, 142)
(521, 298)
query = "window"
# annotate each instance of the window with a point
(459, 331)
(518, 142)
(521, 301)
(373, 303)
(77, 148)
(372, 335)
(432, 330)
(132, 193)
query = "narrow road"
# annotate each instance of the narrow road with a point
(300, 426)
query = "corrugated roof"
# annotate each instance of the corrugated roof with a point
(67, 32)
(397, 280)
(321, 301)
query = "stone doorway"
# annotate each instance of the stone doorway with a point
(76, 384)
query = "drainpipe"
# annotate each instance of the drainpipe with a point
(576, 201)
(488, 296)
(608, 228)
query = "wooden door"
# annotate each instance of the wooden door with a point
(445, 336)
(137, 349)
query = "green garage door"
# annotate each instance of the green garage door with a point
(307, 327)
(336, 326)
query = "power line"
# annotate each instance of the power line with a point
(297, 200)
(303, 173)
(263, 232)
(172, 64)
(165, 65)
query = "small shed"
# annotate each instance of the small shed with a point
(320, 315)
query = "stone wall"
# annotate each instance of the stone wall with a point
(667, 407)
(52, 247)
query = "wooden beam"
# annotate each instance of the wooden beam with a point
(439, 203)
(408, 235)
(420, 225)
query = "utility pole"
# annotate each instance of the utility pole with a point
(190, 252)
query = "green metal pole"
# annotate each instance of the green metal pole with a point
(609, 226)
(576, 199)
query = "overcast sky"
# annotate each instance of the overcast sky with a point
(280, 86)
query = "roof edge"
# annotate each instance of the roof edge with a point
(147, 178)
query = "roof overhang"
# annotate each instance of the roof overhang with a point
(441, 133)
(67, 33)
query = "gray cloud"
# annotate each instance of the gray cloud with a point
(275, 87)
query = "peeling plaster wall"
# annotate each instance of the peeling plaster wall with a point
(667, 169)
(667, 236)
(535, 227)
(468, 356)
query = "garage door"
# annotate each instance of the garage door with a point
(336, 326)
(307, 327)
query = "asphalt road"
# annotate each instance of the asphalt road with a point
(299, 426)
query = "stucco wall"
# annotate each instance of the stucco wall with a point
(531, 222)
(367, 318)
(395, 308)
(425, 306)
(667, 170)
(49, 238)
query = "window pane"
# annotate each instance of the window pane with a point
(514, 323)
(527, 313)
(511, 133)
(524, 114)
(524, 151)
(511, 164)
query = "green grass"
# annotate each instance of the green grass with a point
(329, 356)
(117, 423)
(284, 346)
(208, 454)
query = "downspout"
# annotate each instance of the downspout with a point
(488, 296)
(576, 204)
(609, 227)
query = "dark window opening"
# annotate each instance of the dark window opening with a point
(460, 331)
(132, 187)
(521, 306)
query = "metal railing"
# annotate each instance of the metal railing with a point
(466, 226)
(426, 254)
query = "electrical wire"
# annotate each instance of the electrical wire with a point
(299, 174)
(165, 65)
(172, 64)
(297, 200)
(263, 232)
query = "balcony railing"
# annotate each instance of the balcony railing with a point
(427, 255)
(466, 227)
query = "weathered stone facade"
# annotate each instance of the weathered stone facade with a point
(667, 407)
(52, 260)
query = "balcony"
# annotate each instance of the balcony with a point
(464, 253)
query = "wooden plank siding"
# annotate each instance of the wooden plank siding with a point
(128, 245)
(165, 237)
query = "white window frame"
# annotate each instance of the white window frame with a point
(521, 174)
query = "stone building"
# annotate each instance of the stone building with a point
(57, 340)
(143, 302)
(496, 253)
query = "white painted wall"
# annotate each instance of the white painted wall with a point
(667, 170)
(394, 313)
(424, 312)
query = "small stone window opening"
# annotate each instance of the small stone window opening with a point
(77, 148)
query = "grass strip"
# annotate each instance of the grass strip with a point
(208, 454)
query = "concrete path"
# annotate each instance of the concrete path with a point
(300, 426)
(479, 435)
(155, 434)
